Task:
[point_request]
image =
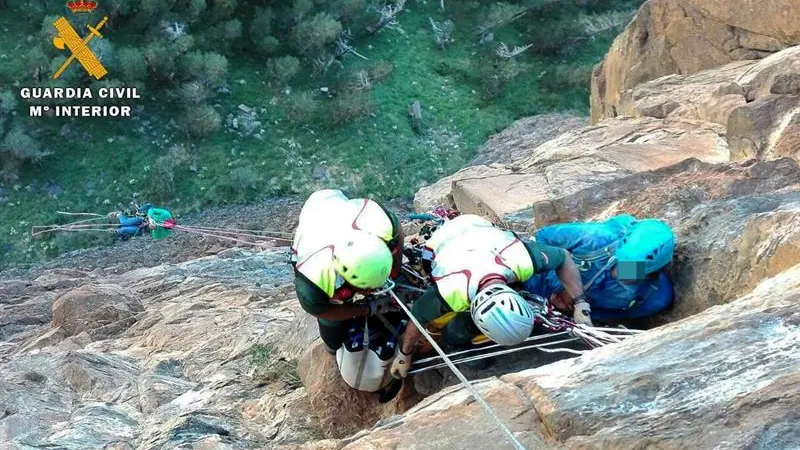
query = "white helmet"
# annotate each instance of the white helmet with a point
(502, 315)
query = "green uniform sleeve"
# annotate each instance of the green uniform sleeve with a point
(313, 299)
(429, 306)
(545, 257)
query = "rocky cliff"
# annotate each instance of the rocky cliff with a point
(197, 353)
(687, 36)
(186, 344)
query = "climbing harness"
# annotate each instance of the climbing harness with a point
(470, 388)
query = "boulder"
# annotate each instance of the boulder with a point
(452, 419)
(341, 410)
(766, 128)
(441, 192)
(24, 313)
(726, 247)
(686, 36)
(102, 310)
(585, 158)
(725, 378)
(710, 95)
(757, 101)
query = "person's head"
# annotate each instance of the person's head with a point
(502, 314)
(362, 259)
(645, 249)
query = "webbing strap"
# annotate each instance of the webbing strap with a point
(363, 362)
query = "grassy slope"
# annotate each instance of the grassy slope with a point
(106, 161)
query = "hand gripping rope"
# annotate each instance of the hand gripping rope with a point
(470, 388)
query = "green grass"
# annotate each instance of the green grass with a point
(107, 161)
(271, 368)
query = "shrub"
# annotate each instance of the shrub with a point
(550, 37)
(8, 102)
(302, 107)
(312, 35)
(300, 8)
(222, 36)
(353, 12)
(161, 181)
(191, 93)
(216, 69)
(193, 9)
(267, 45)
(161, 60)
(150, 10)
(567, 77)
(19, 145)
(37, 63)
(130, 64)
(241, 181)
(496, 76)
(380, 71)
(200, 121)
(208, 67)
(273, 368)
(261, 25)
(500, 14)
(261, 31)
(350, 106)
(283, 69)
(221, 10)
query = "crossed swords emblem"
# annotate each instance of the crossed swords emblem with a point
(68, 38)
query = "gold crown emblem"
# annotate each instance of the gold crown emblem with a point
(82, 6)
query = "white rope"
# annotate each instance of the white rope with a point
(489, 347)
(470, 388)
(542, 347)
(243, 231)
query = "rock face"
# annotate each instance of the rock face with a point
(725, 378)
(499, 154)
(757, 101)
(184, 374)
(342, 411)
(736, 224)
(102, 310)
(686, 36)
(584, 158)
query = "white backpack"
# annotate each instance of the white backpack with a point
(363, 369)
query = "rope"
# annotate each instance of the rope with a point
(461, 352)
(243, 231)
(507, 351)
(221, 234)
(79, 214)
(70, 229)
(470, 388)
(226, 238)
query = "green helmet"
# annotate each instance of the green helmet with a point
(362, 259)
